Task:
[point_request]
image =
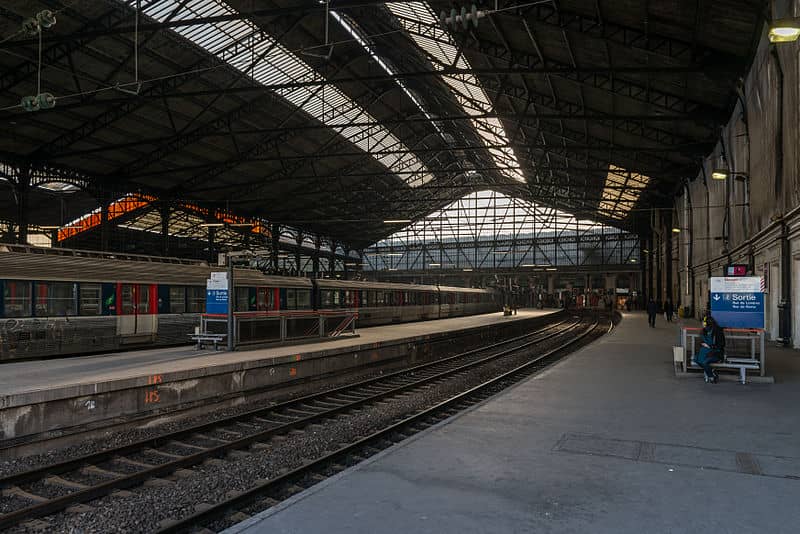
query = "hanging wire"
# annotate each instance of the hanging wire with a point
(136, 41)
(39, 67)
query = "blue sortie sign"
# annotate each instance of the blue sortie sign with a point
(217, 301)
(738, 310)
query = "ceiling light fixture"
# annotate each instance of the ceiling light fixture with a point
(396, 221)
(784, 30)
(719, 174)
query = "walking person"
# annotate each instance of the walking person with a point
(669, 309)
(652, 311)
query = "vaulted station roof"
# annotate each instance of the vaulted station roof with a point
(596, 108)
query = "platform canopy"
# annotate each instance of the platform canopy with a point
(341, 117)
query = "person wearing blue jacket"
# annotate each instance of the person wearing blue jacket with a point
(711, 349)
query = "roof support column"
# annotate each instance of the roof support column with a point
(315, 257)
(297, 259)
(212, 234)
(332, 260)
(165, 212)
(668, 256)
(648, 267)
(347, 255)
(105, 200)
(22, 191)
(275, 229)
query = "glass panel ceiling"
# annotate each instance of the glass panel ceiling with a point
(487, 215)
(465, 87)
(490, 230)
(621, 192)
(268, 62)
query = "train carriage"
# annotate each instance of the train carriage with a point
(59, 301)
(378, 302)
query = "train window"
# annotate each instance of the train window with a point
(55, 298)
(291, 300)
(17, 299)
(303, 299)
(242, 299)
(144, 299)
(196, 299)
(126, 306)
(91, 299)
(177, 299)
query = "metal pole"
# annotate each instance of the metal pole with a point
(231, 333)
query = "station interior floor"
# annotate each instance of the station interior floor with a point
(606, 441)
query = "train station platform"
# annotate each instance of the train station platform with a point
(606, 441)
(41, 397)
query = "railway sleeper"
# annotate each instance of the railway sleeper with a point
(16, 491)
(93, 470)
(184, 445)
(133, 463)
(54, 480)
(167, 455)
(206, 437)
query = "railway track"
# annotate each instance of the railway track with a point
(53, 488)
(273, 491)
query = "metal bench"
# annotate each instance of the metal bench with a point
(742, 364)
(202, 339)
(753, 337)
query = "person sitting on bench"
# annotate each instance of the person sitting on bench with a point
(711, 349)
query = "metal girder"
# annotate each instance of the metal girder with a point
(132, 103)
(54, 54)
(266, 144)
(633, 38)
(561, 115)
(693, 149)
(184, 139)
(599, 79)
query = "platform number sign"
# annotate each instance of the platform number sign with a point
(737, 302)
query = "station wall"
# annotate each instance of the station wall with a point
(752, 217)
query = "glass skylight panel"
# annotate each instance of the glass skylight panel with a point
(488, 215)
(465, 87)
(621, 192)
(268, 62)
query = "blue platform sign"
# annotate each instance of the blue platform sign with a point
(217, 294)
(737, 302)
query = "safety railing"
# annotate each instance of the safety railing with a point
(281, 326)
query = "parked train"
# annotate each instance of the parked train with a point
(59, 302)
